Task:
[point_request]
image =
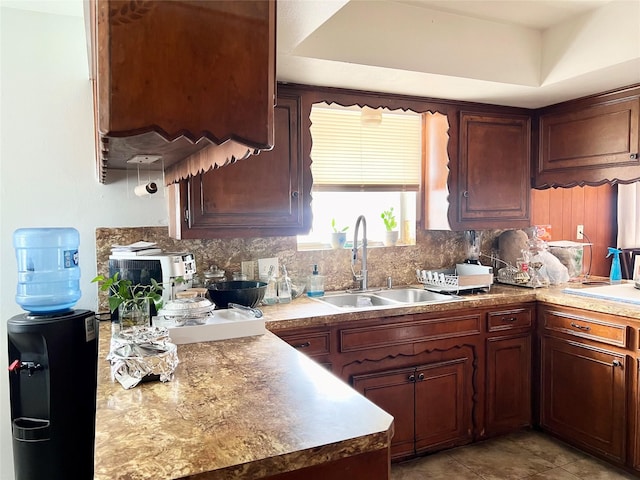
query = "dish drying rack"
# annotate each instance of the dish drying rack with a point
(448, 281)
(510, 275)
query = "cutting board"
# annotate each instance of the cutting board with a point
(624, 292)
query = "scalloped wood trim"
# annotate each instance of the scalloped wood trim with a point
(215, 156)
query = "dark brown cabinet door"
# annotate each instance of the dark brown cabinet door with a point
(583, 395)
(443, 404)
(393, 391)
(508, 400)
(266, 196)
(190, 68)
(493, 174)
(590, 143)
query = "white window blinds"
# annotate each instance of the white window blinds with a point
(350, 154)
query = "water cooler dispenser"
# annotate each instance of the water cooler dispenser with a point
(53, 351)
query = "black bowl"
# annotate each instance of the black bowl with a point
(242, 292)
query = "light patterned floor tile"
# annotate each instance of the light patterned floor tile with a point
(433, 467)
(547, 447)
(527, 455)
(554, 474)
(500, 459)
(593, 469)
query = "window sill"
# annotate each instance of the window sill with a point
(308, 247)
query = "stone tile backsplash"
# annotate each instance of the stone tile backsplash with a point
(433, 250)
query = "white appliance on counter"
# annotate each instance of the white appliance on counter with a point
(164, 268)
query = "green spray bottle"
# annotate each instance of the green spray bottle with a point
(616, 274)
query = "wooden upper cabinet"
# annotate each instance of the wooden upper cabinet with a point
(173, 77)
(490, 185)
(269, 195)
(590, 142)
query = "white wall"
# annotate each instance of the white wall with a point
(47, 163)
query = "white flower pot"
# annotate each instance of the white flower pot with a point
(390, 238)
(338, 239)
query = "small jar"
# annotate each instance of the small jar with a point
(239, 276)
(213, 275)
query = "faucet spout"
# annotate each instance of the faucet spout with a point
(362, 277)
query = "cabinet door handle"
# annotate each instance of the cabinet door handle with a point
(616, 363)
(302, 345)
(509, 319)
(295, 194)
(465, 194)
(421, 377)
(633, 156)
(581, 327)
(412, 378)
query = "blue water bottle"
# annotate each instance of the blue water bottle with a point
(615, 276)
(48, 270)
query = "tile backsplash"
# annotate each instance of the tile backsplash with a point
(433, 250)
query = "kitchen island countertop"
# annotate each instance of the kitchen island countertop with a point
(246, 408)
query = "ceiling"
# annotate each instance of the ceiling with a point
(527, 53)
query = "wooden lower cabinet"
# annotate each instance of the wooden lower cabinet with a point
(430, 404)
(635, 461)
(508, 395)
(583, 395)
(312, 342)
(394, 392)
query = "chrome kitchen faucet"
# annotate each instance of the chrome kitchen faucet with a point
(362, 278)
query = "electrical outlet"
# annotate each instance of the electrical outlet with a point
(264, 264)
(580, 232)
(249, 269)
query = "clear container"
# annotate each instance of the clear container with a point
(48, 270)
(315, 283)
(271, 293)
(284, 287)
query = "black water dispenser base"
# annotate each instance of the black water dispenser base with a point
(52, 385)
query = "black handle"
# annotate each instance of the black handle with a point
(509, 319)
(412, 378)
(616, 363)
(421, 377)
(302, 345)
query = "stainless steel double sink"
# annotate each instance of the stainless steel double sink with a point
(373, 299)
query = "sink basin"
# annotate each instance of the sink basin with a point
(356, 300)
(413, 295)
(384, 298)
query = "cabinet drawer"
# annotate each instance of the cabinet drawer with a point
(586, 327)
(508, 319)
(309, 343)
(353, 339)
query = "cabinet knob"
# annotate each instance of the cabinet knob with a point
(294, 194)
(421, 377)
(633, 156)
(616, 363)
(302, 345)
(412, 378)
(508, 319)
(465, 194)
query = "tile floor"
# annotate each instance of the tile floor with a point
(527, 455)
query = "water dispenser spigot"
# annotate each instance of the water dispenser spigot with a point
(17, 366)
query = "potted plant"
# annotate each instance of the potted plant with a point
(338, 236)
(390, 224)
(131, 301)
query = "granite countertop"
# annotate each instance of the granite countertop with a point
(239, 408)
(254, 406)
(307, 312)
